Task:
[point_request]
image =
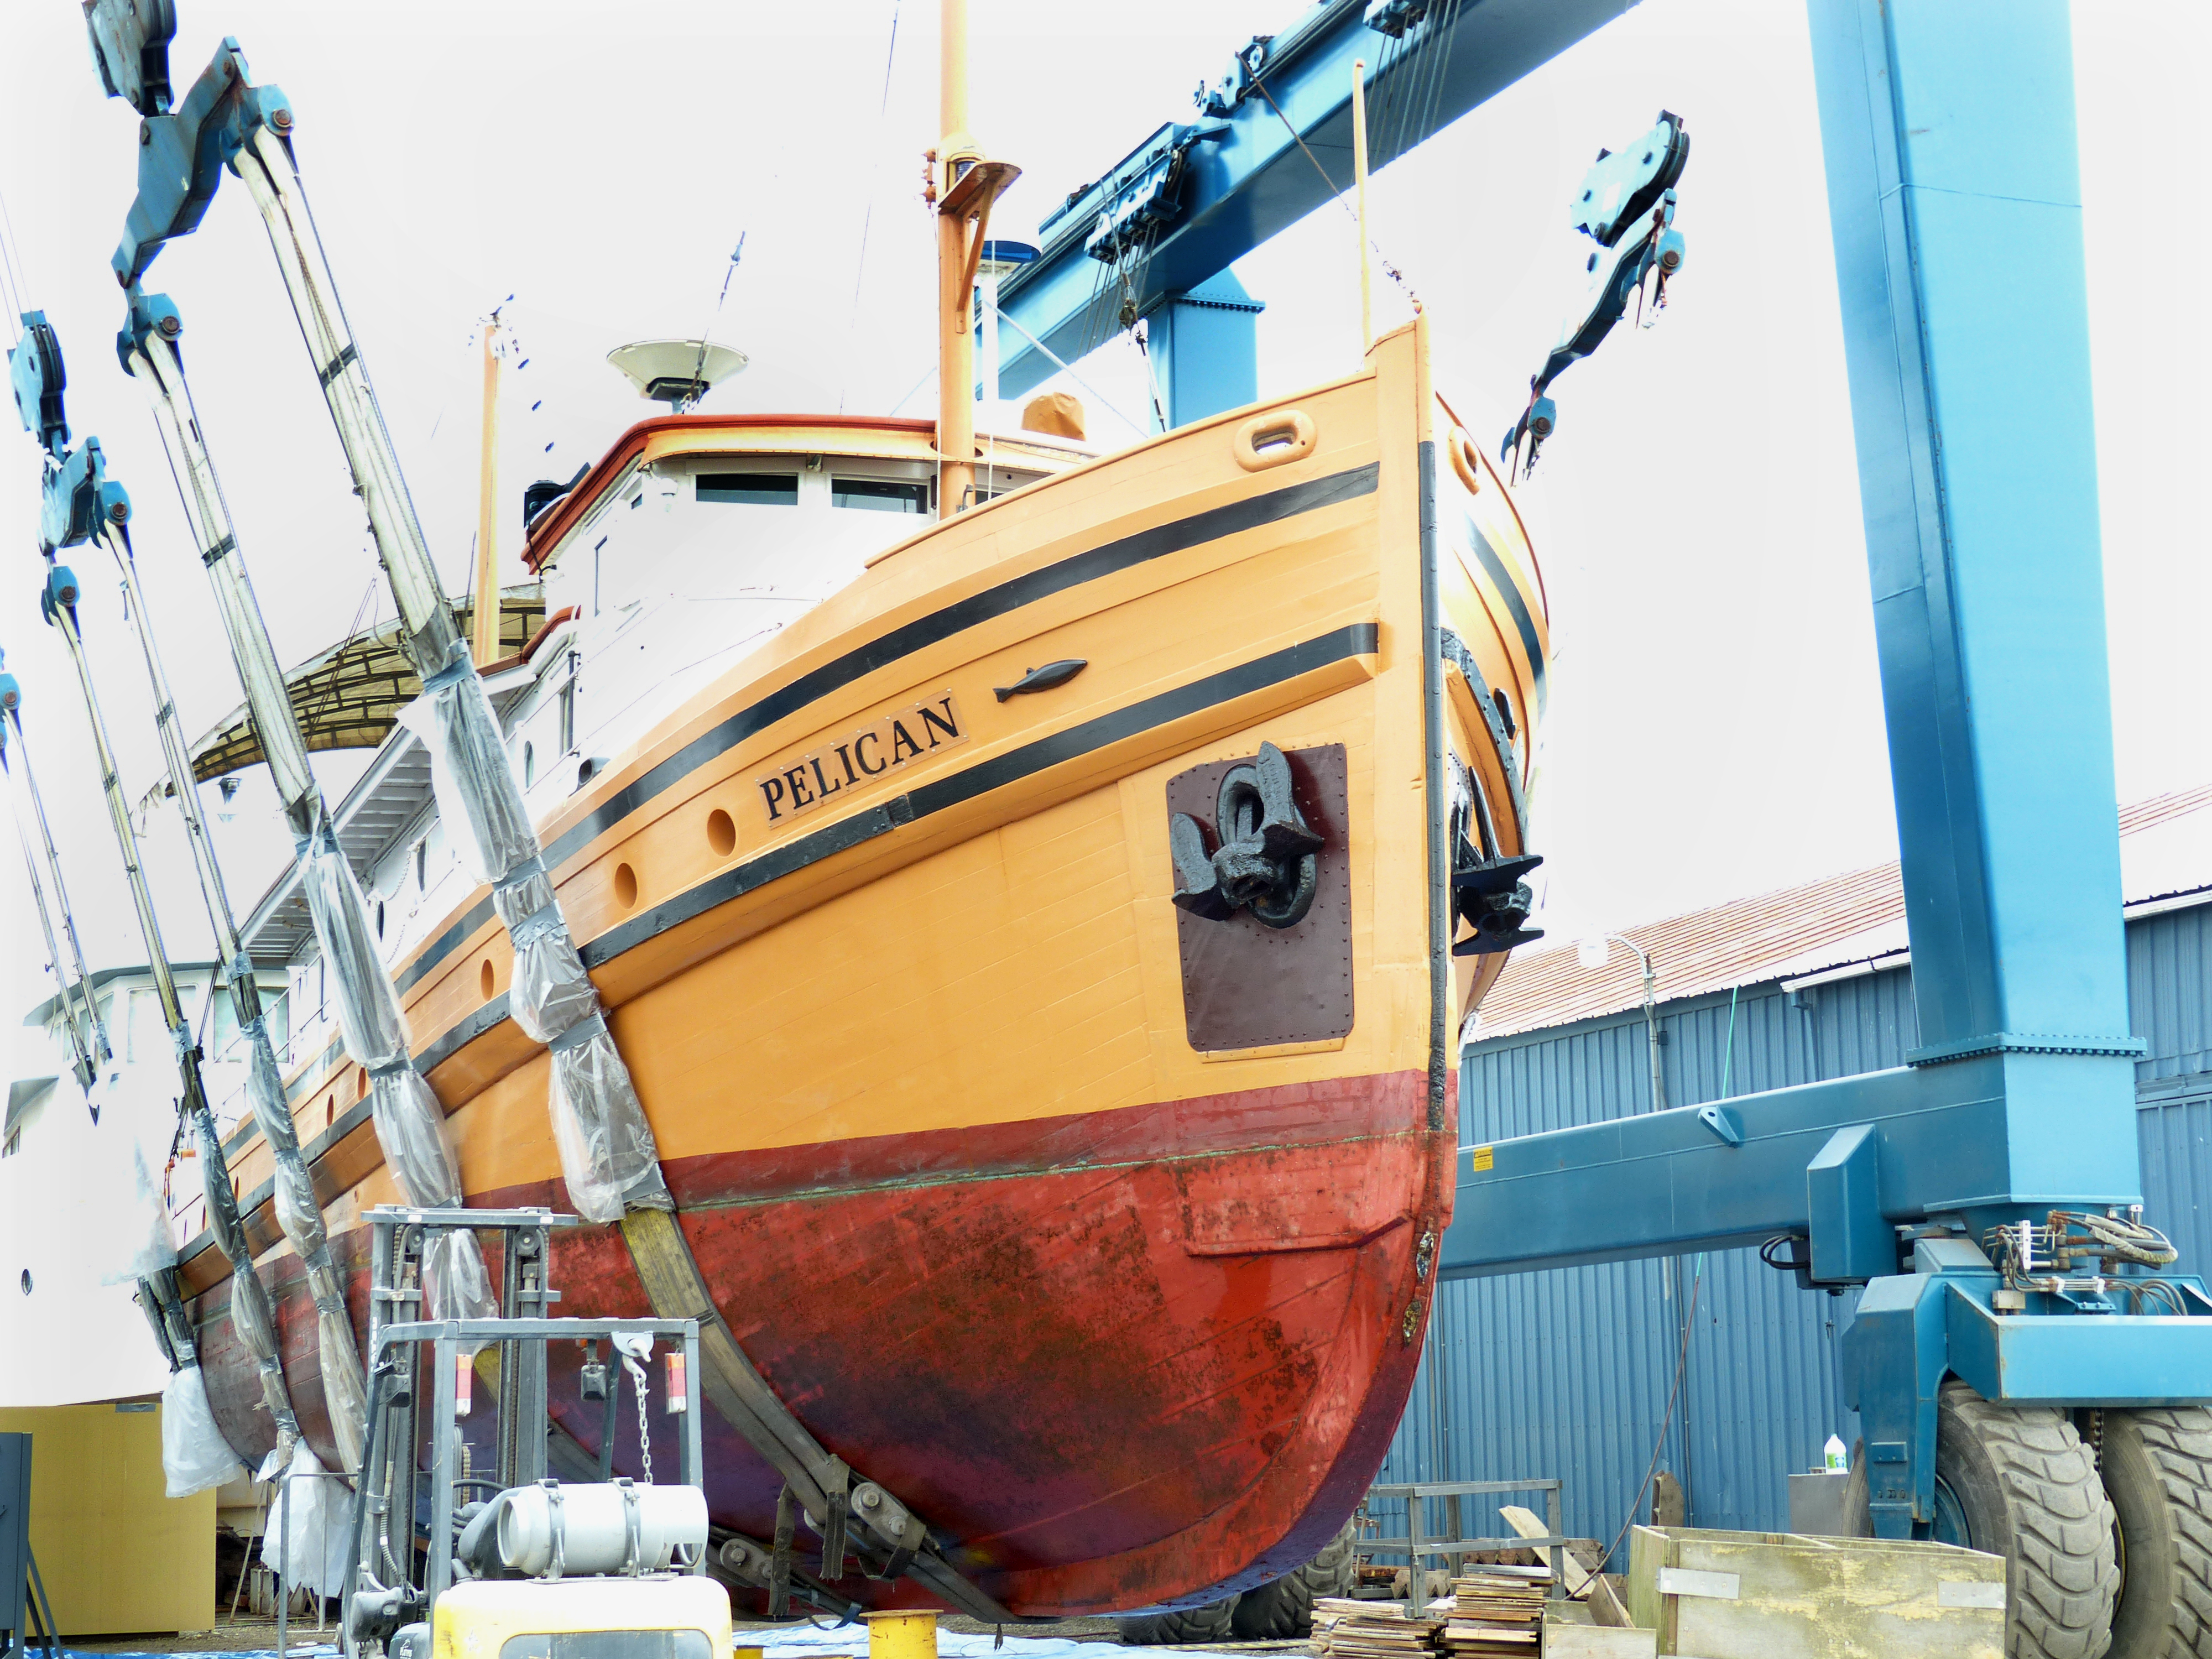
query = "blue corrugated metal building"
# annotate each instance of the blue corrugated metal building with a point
(1569, 1372)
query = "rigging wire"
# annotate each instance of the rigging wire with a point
(1388, 269)
(325, 698)
(729, 270)
(868, 213)
(1061, 362)
(1141, 340)
(1681, 1366)
(11, 270)
(927, 375)
(1424, 61)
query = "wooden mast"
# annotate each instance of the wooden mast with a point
(1359, 190)
(484, 631)
(955, 349)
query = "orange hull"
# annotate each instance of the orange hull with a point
(1096, 1227)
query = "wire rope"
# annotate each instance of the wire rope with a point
(1674, 1396)
(1728, 1060)
(868, 214)
(1388, 269)
(737, 257)
(11, 265)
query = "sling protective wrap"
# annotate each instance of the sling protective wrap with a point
(301, 1218)
(194, 1454)
(250, 1311)
(608, 1155)
(411, 1124)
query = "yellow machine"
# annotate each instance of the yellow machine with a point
(659, 1616)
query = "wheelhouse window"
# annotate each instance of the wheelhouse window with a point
(750, 489)
(880, 495)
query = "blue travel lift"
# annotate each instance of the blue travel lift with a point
(1986, 1194)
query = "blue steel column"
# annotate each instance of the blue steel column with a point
(1955, 202)
(1205, 348)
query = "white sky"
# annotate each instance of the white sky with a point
(1715, 725)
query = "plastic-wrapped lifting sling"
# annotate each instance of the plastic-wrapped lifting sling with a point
(409, 1122)
(300, 1218)
(608, 1155)
(194, 1454)
(298, 1214)
(249, 1312)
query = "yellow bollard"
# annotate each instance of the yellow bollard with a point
(901, 1635)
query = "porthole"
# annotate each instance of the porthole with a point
(26, 1281)
(380, 918)
(529, 766)
(484, 979)
(330, 1111)
(360, 1089)
(625, 887)
(722, 833)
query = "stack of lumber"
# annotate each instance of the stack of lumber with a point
(1496, 1611)
(1346, 1629)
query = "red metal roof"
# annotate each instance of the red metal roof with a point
(1793, 931)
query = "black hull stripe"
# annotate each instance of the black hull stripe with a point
(1178, 536)
(1523, 624)
(997, 773)
(1358, 640)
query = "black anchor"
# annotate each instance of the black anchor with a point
(1265, 863)
(1491, 896)
(1489, 893)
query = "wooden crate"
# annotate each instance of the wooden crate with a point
(1780, 1595)
(1570, 1639)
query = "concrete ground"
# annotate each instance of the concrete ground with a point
(253, 1634)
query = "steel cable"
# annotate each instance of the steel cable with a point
(1674, 1396)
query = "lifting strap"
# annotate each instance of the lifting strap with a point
(677, 1290)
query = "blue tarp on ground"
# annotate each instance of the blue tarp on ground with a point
(781, 1641)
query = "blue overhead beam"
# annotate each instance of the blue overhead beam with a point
(1240, 175)
(1955, 204)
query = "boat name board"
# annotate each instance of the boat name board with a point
(893, 741)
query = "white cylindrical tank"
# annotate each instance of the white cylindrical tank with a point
(614, 1527)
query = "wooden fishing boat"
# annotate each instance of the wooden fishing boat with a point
(1095, 1222)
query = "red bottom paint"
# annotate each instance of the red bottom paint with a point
(1126, 1358)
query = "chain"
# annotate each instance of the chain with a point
(644, 1424)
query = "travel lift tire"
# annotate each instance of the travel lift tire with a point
(1282, 1610)
(2157, 1467)
(1279, 1611)
(2020, 1482)
(1207, 1624)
